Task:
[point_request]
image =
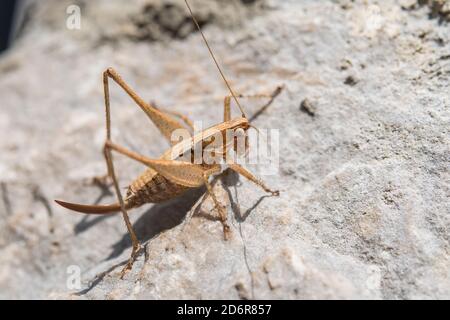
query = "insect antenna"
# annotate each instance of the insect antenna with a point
(214, 58)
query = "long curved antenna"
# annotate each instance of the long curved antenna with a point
(214, 58)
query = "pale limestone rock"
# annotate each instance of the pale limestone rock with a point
(363, 211)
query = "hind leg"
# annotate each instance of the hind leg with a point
(111, 173)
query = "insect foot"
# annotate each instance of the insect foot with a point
(134, 254)
(227, 234)
(275, 193)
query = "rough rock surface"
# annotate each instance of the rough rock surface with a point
(364, 180)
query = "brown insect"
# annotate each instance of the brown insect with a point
(170, 175)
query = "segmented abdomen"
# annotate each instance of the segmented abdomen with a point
(151, 187)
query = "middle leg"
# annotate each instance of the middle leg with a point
(222, 212)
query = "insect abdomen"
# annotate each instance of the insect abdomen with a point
(152, 187)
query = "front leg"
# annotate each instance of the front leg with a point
(242, 171)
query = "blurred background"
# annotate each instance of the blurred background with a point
(8, 18)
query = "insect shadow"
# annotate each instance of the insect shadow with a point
(231, 180)
(160, 217)
(168, 215)
(155, 220)
(89, 221)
